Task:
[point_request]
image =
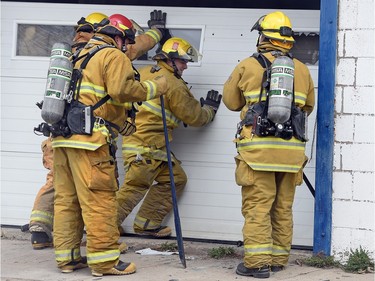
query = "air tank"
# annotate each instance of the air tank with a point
(58, 80)
(281, 90)
(61, 49)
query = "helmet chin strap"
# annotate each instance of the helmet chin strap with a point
(124, 48)
(175, 69)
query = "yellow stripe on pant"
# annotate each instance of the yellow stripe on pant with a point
(267, 199)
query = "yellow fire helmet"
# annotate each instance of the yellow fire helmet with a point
(92, 22)
(275, 25)
(178, 48)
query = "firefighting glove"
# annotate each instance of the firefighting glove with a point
(166, 35)
(212, 100)
(157, 20)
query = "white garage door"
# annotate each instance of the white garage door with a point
(210, 207)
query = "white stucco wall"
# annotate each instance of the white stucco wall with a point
(353, 213)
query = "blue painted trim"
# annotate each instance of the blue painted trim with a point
(325, 125)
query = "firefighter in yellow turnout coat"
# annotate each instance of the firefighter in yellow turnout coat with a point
(144, 152)
(268, 168)
(84, 165)
(41, 219)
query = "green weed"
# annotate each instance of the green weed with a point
(321, 261)
(359, 262)
(221, 252)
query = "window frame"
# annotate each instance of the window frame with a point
(16, 23)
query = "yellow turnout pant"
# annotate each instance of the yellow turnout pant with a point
(267, 200)
(85, 186)
(42, 212)
(151, 177)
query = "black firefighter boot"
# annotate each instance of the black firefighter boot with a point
(40, 240)
(263, 272)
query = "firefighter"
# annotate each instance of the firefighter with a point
(85, 177)
(144, 152)
(268, 168)
(41, 219)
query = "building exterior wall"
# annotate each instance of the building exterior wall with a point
(353, 172)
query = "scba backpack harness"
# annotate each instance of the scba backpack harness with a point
(80, 117)
(77, 118)
(278, 115)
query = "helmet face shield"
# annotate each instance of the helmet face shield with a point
(137, 28)
(190, 55)
(256, 25)
(178, 48)
(194, 54)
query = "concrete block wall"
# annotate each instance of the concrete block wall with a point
(353, 216)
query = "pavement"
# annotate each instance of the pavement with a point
(19, 262)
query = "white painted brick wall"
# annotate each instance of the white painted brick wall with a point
(338, 99)
(352, 239)
(358, 157)
(359, 43)
(340, 236)
(364, 129)
(345, 71)
(363, 237)
(342, 132)
(365, 71)
(358, 213)
(336, 158)
(343, 187)
(366, 9)
(356, 14)
(358, 100)
(353, 214)
(363, 187)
